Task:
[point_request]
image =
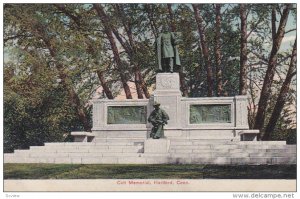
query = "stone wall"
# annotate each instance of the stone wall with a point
(211, 117)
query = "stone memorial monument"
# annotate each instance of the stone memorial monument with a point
(205, 130)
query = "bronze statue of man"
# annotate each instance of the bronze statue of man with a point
(167, 52)
(158, 118)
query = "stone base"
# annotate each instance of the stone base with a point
(80, 136)
(156, 146)
(158, 151)
(249, 135)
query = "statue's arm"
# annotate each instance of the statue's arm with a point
(165, 116)
(150, 118)
(174, 39)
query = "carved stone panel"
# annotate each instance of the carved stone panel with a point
(210, 113)
(126, 115)
(167, 81)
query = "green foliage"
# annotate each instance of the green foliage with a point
(36, 107)
(28, 123)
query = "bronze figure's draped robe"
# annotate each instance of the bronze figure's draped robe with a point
(158, 118)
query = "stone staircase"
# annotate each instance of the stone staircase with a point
(183, 151)
(100, 152)
(233, 152)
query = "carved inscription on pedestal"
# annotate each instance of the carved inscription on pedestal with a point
(167, 82)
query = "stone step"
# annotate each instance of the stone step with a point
(86, 147)
(223, 141)
(210, 155)
(31, 154)
(57, 148)
(129, 149)
(54, 144)
(216, 143)
(91, 154)
(139, 149)
(118, 143)
(234, 147)
(261, 142)
(228, 150)
(153, 160)
(268, 146)
(111, 140)
(236, 154)
(272, 154)
(189, 147)
(43, 148)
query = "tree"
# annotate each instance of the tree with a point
(78, 19)
(218, 50)
(109, 33)
(265, 92)
(243, 50)
(36, 109)
(205, 49)
(281, 99)
(131, 49)
(36, 26)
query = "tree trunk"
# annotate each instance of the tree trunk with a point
(281, 99)
(243, 51)
(218, 50)
(108, 31)
(205, 50)
(138, 84)
(104, 85)
(273, 16)
(144, 86)
(266, 89)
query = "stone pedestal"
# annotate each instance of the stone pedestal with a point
(241, 112)
(156, 146)
(168, 94)
(80, 136)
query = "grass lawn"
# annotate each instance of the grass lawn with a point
(113, 171)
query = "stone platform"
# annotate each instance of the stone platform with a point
(207, 130)
(133, 151)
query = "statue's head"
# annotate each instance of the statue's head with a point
(156, 105)
(165, 28)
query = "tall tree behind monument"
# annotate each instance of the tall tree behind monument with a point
(265, 92)
(218, 50)
(109, 32)
(243, 50)
(131, 48)
(91, 45)
(282, 97)
(205, 50)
